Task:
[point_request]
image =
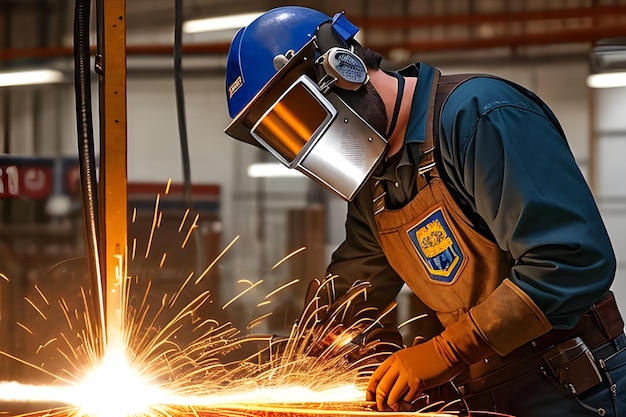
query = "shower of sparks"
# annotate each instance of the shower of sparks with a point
(154, 224)
(193, 227)
(281, 288)
(216, 260)
(182, 222)
(133, 251)
(242, 293)
(148, 374)
(146, 371)
(411, 320)
(257, 321)
(288, 257)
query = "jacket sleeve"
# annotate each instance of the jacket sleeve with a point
(505, 154)
(360, 257)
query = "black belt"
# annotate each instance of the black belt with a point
(598, 328)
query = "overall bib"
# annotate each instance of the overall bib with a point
(452, 268)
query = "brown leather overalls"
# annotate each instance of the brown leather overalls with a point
(454, 269)
(431, 243)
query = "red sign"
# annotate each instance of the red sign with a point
(72, 178)
(9, 182)
(26, 181)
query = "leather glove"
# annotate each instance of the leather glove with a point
(410, 371)
(505, 320)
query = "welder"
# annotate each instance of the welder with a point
(462, 187)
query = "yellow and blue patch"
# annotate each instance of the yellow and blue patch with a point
(437, 247)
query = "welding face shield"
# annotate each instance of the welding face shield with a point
(299, 117)
(320, 136)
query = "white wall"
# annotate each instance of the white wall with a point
(154, 155)
(610, 143)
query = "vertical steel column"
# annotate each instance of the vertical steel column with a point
(113, 164)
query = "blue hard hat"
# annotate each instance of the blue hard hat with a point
(250, 61)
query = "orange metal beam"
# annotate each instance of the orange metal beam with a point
(113, 164)
(408, 22)
(512, 41)
(62, 52)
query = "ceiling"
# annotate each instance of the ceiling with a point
(32, 29)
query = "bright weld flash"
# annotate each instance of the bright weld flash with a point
(115, 389)
(343, 339)
(267, 396)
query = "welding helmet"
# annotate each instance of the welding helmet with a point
(283, 75)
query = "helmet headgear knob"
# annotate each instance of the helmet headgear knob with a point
(347, 67)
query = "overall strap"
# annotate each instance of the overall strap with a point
(428, 169)
(444, 86)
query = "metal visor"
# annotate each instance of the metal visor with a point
(294, 122)
(345, 154)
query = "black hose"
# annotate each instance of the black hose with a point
(180, 100)
(86, 152)
(182, 123)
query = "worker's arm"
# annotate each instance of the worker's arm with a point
(360, 257)
(507, 157)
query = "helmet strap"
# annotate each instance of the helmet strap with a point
(327, 37)
(396, 108)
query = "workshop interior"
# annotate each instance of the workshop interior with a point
(114, 161)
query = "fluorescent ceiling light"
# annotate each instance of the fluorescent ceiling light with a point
(44, 76)
(607, 80)
(272, 170)
(213, 24)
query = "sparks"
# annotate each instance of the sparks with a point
(153, 367)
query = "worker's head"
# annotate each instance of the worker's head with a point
(297, 85)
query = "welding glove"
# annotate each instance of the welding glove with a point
(507, 319)
(426, 365)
